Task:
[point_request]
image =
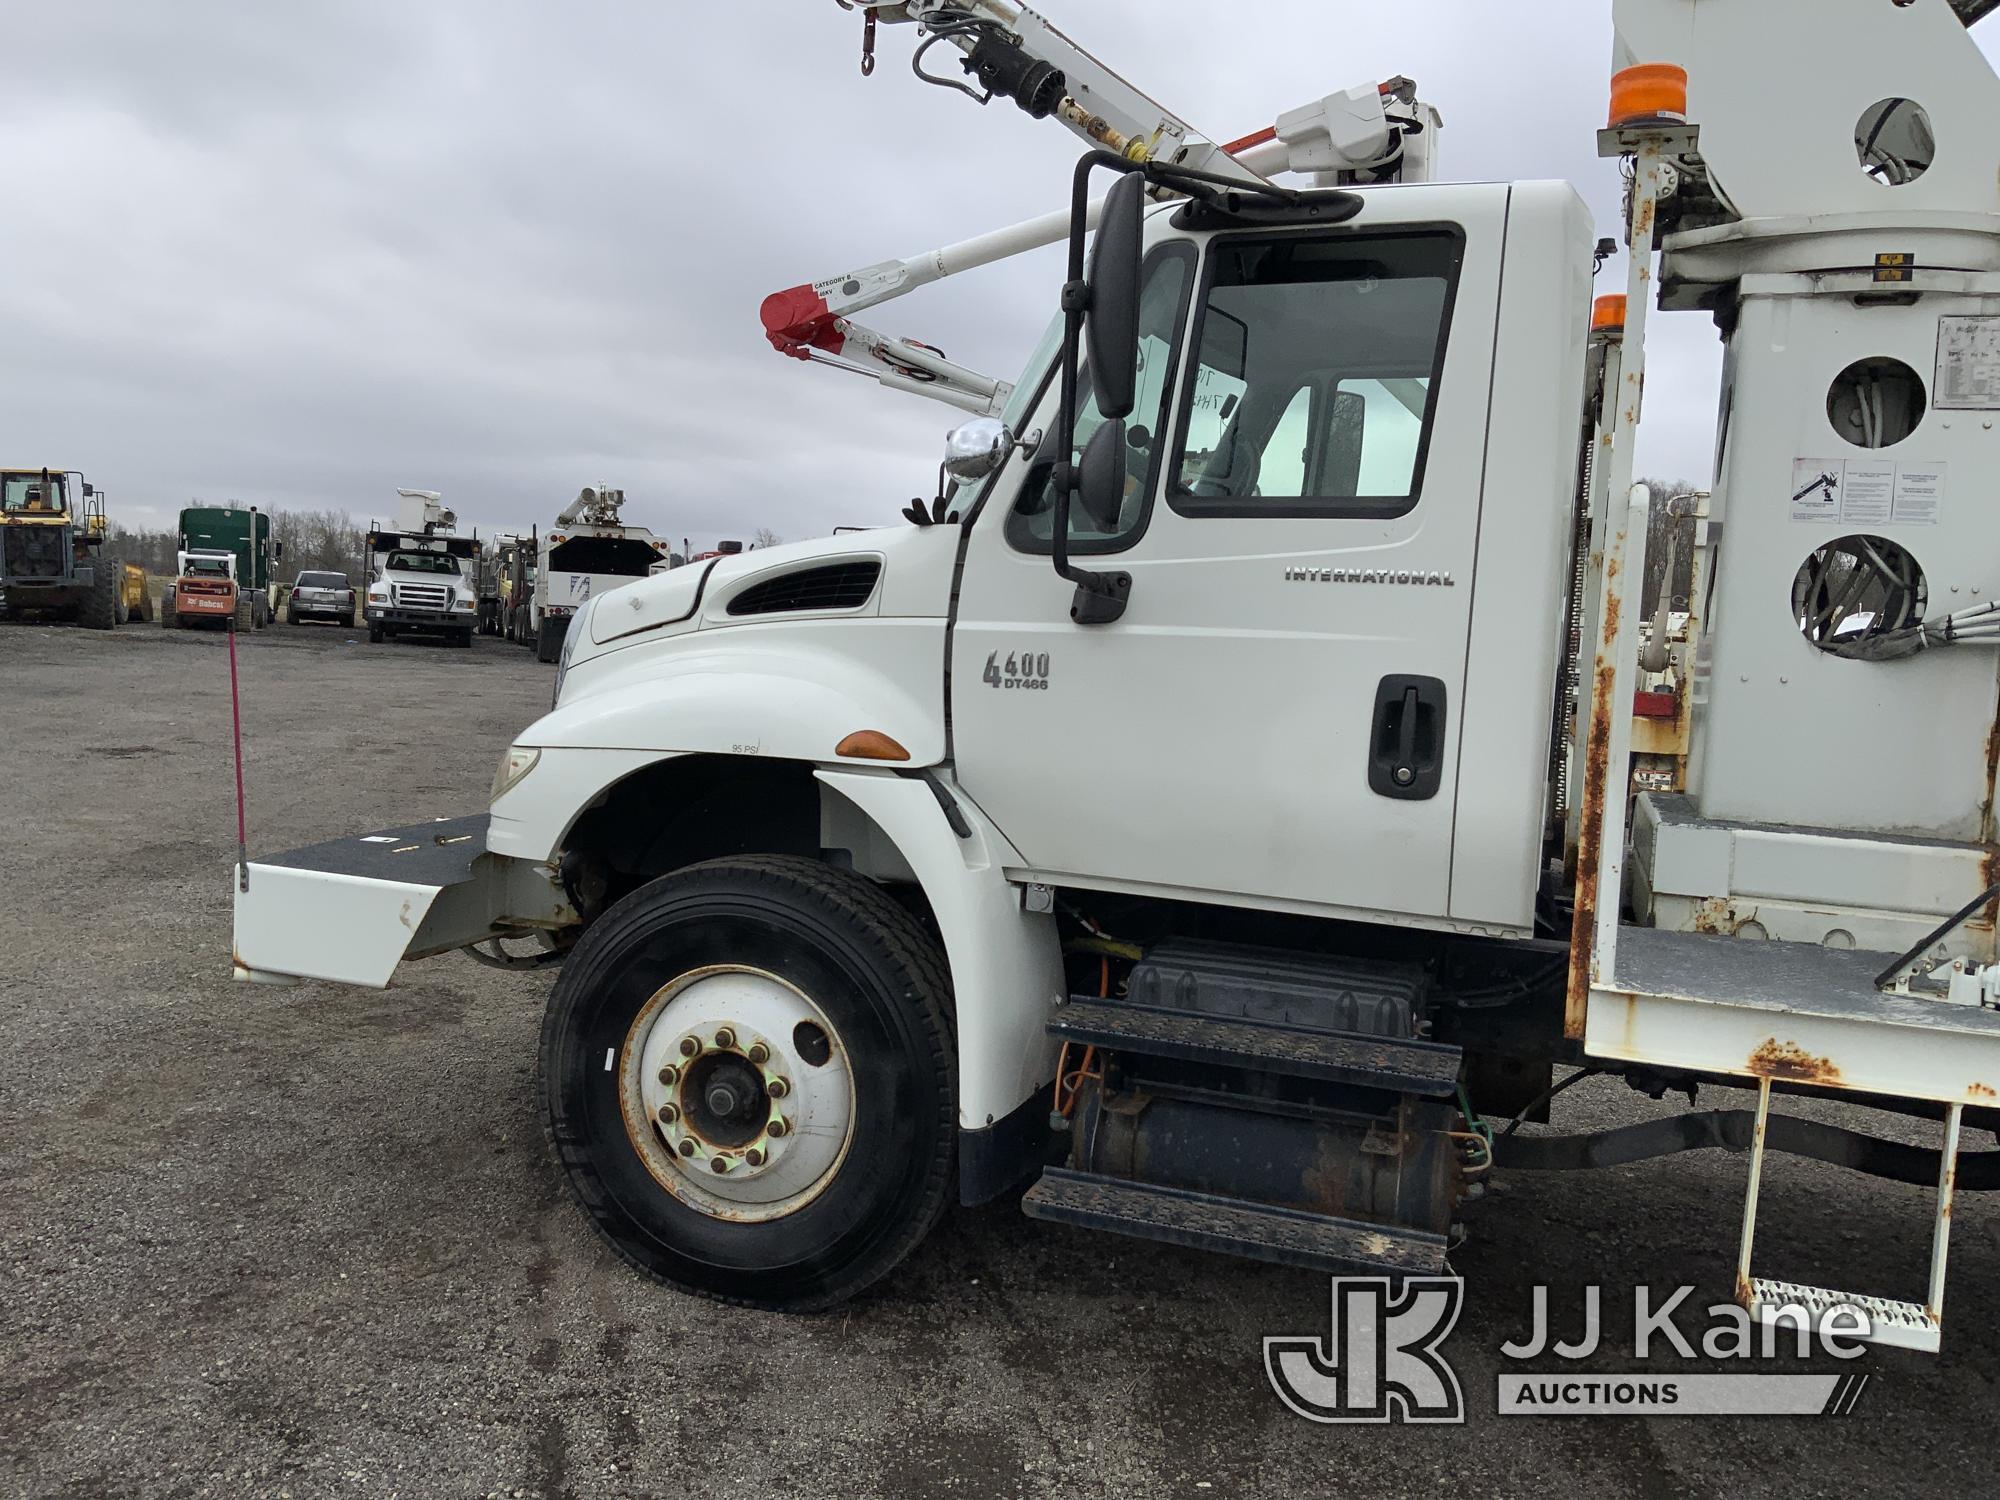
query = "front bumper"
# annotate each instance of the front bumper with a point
(351, 909)
(421, 619)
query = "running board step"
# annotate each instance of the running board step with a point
(1230, 1226)
(1904, 1325)
(1424, 1068)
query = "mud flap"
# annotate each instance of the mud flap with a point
(351, 909)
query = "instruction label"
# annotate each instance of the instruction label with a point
(1863, 492)
(1968, 364)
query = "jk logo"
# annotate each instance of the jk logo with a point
(1380, 1361)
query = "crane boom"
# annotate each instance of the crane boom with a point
(1374, 132)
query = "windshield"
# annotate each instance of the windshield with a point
(422, 562)
(27, 492)
(611, 555)
(322, 581)
(208, 567)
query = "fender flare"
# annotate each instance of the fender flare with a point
(1006, 963)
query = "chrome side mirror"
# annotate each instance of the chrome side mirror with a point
(976, 448)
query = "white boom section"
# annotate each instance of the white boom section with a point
(1370, 129)
(1016, 53)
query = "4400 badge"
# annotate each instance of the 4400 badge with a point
(1028, 670)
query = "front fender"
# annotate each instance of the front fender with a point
(786, 691)
(1006, 962)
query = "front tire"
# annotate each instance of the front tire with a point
(99, 610)
(829, 1179)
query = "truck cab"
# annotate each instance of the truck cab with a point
(1341, 512)
(422, 585)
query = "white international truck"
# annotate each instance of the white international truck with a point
(423, 578)
(589, 551)
(1216, 811)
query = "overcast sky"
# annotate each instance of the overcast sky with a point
(302, 254)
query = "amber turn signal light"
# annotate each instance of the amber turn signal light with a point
(870, 744)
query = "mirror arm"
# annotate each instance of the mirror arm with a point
(1100, 597)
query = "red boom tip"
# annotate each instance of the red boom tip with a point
(797, 321)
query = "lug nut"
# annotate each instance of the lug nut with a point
(777, 1088)
(668, 1114)
(777, 1127)
(718, 1164)
(758, 1053)
(689, 1046)
(687, 1148)
(754, 1157)
(724, 1037)
(670, 1075)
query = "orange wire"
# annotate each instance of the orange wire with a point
(1070, 1081)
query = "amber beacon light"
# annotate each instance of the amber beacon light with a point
(1648, 93)
(1607, 314)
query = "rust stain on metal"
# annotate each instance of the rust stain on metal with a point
(1992, 772)
(1718, 917)
(1776, 1059)
(1745, 1293)
(1590, 839)
(1979, 1091)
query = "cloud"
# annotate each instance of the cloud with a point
(303, 255)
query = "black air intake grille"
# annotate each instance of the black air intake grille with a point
(837, 586)
(35, 551)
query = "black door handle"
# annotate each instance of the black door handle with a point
(1406, 746)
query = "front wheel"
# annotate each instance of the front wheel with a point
(746, 1072)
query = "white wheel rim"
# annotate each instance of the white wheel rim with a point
(738, 1021)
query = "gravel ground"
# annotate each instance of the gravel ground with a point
(307, 1241)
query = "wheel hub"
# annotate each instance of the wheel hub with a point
(737, 1093)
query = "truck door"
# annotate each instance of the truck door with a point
(1277, 714)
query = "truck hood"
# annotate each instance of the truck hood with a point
(899, 571)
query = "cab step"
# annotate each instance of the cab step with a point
(1231, 1226)
(1905, 1325)
(1884, 1320)
(1428, 1069)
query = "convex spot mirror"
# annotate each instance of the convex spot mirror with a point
(1100, 476)
(975, 449)
(1111, 327)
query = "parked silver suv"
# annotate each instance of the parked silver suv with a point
(321, 596)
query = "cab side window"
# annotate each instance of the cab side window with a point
(1163, 298)
(1316, 375)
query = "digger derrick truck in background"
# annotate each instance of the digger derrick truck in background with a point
(589, 551)
(52, 550)
(1178, 817)
(422, 576)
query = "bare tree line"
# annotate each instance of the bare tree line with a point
(329, 540)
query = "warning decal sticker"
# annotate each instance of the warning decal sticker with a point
(1968, 364)
(1863, 492)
